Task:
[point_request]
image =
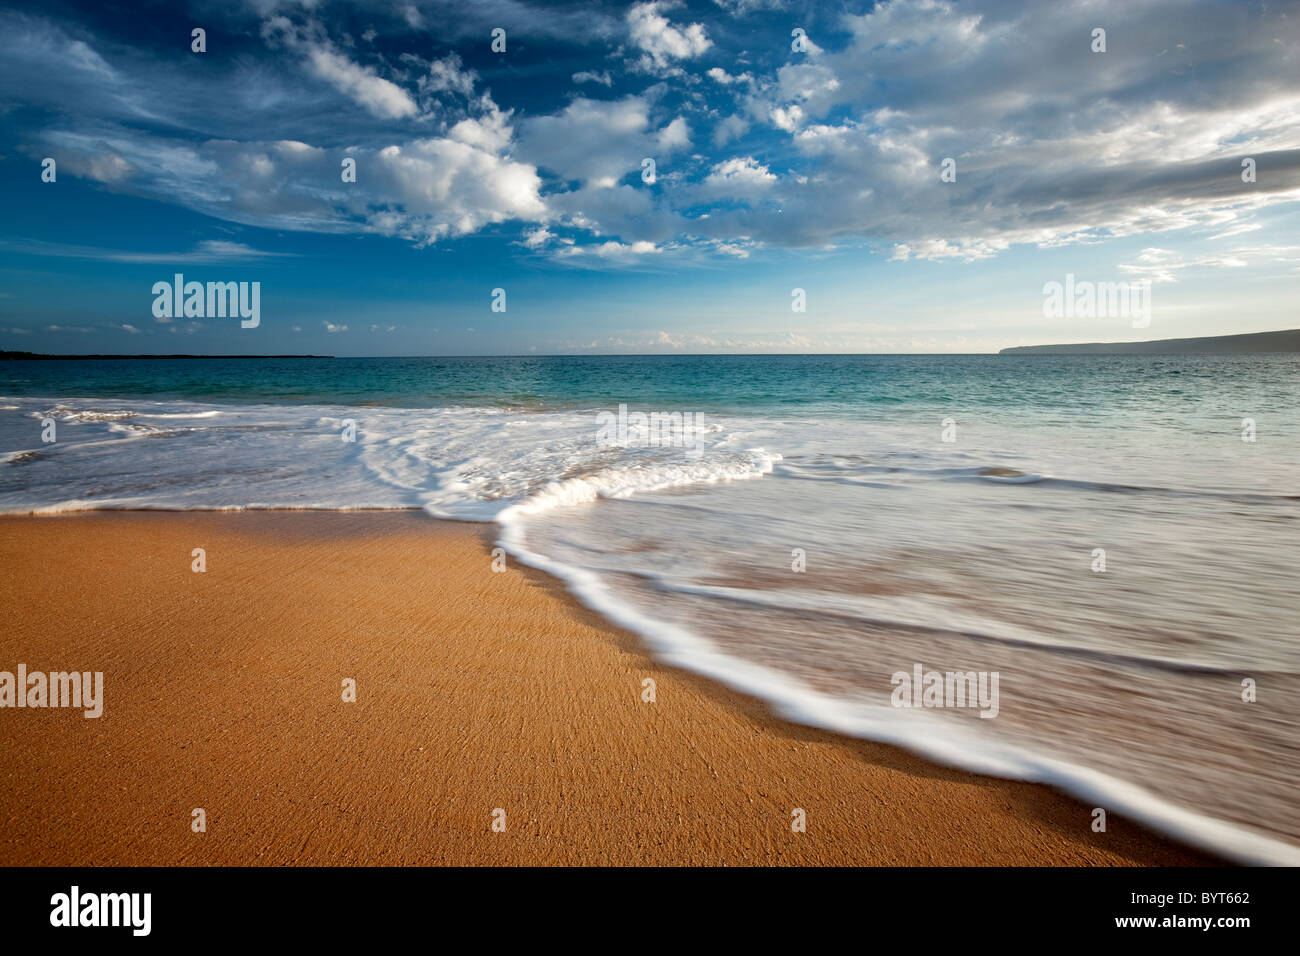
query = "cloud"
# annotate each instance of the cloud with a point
(787, 118)
(1053, 144)
(613, 250)
(331, 327)
(537, 238)
(446, 187)
(207, 251)
(719, 75)
(737, 177)
(363, 84)
(1163, 265)
(449, 75)
(600, 141)
(590, 76)
(649, 30)
(742, 8)
(421, 189)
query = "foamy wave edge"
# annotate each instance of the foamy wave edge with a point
(944, 744)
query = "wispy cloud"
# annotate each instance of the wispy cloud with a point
(208, 251)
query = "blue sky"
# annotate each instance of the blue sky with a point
(776, 168)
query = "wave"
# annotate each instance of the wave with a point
(890, 476)
(931, 616)
(926, 735)
(68, 414)
(627, 480)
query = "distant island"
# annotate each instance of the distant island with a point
(6, 355)
(1286, 341)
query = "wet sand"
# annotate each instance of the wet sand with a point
(480, 696)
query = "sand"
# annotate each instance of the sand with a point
(475, 692)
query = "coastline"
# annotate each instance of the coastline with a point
(475, 691)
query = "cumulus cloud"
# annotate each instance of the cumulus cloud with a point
(719, 75)
(601, 141)
(448, 187)
(613, 250)
(422, 189)
(662, 42)
(739, 176)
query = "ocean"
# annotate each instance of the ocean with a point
(1113, 537)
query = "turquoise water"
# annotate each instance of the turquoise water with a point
(1060, 386)
(833, 521)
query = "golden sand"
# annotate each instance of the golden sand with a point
(476, 692)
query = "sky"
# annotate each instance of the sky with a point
(652, 177)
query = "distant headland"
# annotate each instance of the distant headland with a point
(1285, 341)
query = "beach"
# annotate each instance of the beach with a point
(480, 698)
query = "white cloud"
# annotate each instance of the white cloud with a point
(590, 76)
(740, 8)
(370, 90)
(422, 189)
(600, 140)
(445, 187)
(490, 132)
(662, 42)
(786, 118)
(744, 172)
(719, 75)
(612, 249)
(381, 97)
(209, 250)
(538, 237)
(1163, 265)
(449, 75)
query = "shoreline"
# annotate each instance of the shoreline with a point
(476, 691)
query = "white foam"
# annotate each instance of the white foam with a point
(624, 481)
(924, 734)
